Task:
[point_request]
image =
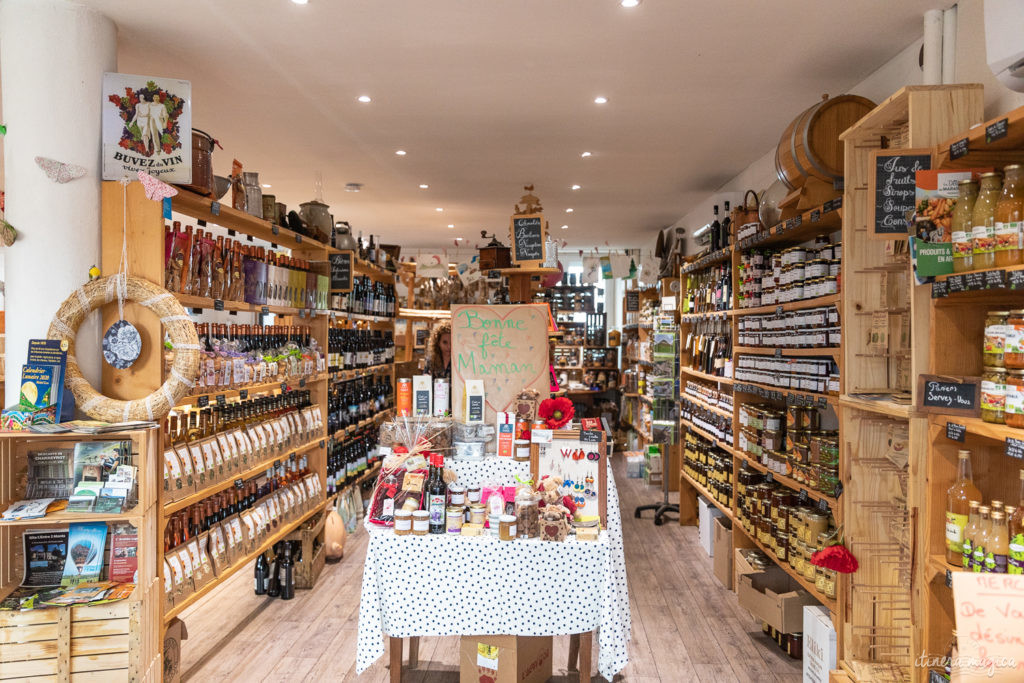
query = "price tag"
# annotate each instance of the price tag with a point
(298, 238)
(1014, 448)
(302, 313)
(231, 232)
(778, 352)
(273, 245)
(822, 402)
(974, 282)
(239, 483)
(215, 208)
(197, 311)
(940, 289)
(769, 477)
(201, 223)
(1015, 279)
(955, 283)
(802, 497)
(995, 131)
(284, 386)
(839, 490)
(248, 238)
(837, 203)
(222, 400)
(826, 207)
(243, 394)
(995, 279)
(815, 216)
(302, 383)
(590, 436)
(797, 221)
(949, 579)
(778, 310)
(958, 149)
(275, 230)
(321, 443)
(955, 432)
(232, 312)
(265, 310)
(203, 401)
(277, 463)
(823, 505)
(218, 304)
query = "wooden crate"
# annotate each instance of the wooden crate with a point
(308, 571)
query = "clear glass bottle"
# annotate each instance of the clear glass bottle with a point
(969, 533)
(981, 539)
(1009, 216)
(983, 221)
(960, 226)
(958, 507)
(997, 549)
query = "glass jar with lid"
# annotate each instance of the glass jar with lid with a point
(995, 338)
(960, 225)
(1013, 411)
(1013, 340)
(1009, 215)
(983, 221)
(993, 395)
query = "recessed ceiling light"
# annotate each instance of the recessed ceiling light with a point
(585, 155)
(568, 210)
(575, 187)
(600, 99)
(451, 225)
(266, 185)
(565, 227)
(629, 3)
(353, 187)
(424, 186)
(364, 98)
(400, 152)
(458, 239)
(301, 2)
(439, 209)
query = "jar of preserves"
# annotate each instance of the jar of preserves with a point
(960, 226)
(1009, 216)
(983, 221)
(420, 522)
(477, 514)
(1013, 341)
(454, 518)
(814, 523)
(1013, 411)
(995, 338)
(993, 395)
(507, 528)
(403, 522)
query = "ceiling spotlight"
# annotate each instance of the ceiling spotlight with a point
(568, 210)
(400, 152)
(439, 209)
(266, 186)
(364, 99)
(451, 225)
(575, 187)
(424, 186)
(353, 187)
(585, 155)
(601, 99)
(629, 3)
(565, 227)
(301, 2)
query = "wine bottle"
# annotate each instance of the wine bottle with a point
(437, 495)
(274, 585)
(261, 573)
(285, 574)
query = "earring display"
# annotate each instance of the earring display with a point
(577, 458)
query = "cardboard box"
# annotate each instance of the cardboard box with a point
(722, 547)
(706, 514)
(775, 597)
(819, 644)
(176, 633)
(505, 659)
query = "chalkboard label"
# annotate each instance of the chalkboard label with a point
(302, 383)
(243, 394)
(958, 149)
(1015, 279)
(298, 238)
(955, 284)
(769, 478)
(802, 498)
(974, 282)
(940, 289)
(527, 238)
(944, 394)
(823, 505)
(995, 131)
(284, 386)
(995, 279)
(275, 230)
(633, 300)
(201, 223)
(815, 215)
(822, 402)
(895, 186)
(265, 310)
(590, 436)
(778, 352)
(215, 208)
(955, 432)
(778, 309)
(218, 304)
(1014, 448)
(231, 233)
(203, 401)
(949, 579)
(222, 400)
(341, 271)
(239, 483)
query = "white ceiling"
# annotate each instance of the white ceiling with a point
(487, 95)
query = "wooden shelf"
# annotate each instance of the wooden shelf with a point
(981, 152)
(189, 301)
(718, 410)
(424, 314)
(707, 494)
(888, 408)
(979, 427)
(789, 482)
(936, 567)
(709, 378)
(707, 315)
(829, 398)
(711, 259)
(251, 390)
(346, 375)
(587, 391)
(362, 424)
(253, 471)
(829, 300)
(708, 436)
(586, 367)
(823, 219)
(832, 352)
(63, 517)
(279, 535)
(198, 207)
(830, 603)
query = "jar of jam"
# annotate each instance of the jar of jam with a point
(1008, 217)
(960, 226)
(403, 522)
(507, 527)
(454, 518)
(457, 494)
(993, 395)
(1013, 411)
(815, 523)
(995, 338)
(472, 495)
(1013, 340)
(477, 514)
(420, 522)
(983, 221)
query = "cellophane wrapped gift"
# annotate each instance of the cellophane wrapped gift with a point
(403, 473)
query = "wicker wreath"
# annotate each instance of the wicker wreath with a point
(175, 320)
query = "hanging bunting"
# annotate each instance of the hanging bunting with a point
(58, 171)
(620, 265)
(606, 268)
(649, 268)
(157, 190)
(431, 265)
(591, 269)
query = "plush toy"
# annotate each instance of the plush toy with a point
(553, 523)
(550, 495)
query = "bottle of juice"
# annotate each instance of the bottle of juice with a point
(996, 552)
(960, 226)
(969, 533)
(983, 221)
(958, 507)
(981, 540)
(1009, 217)
(1016, 545)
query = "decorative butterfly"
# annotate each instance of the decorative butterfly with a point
(58, 171)
(156, 190)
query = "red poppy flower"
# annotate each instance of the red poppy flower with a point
(556, 412)
(837, 558)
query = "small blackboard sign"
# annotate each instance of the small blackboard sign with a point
(974, 282)
(949, 394)
(815, 215)
(958, 149)
(995, 279)
(218, 304)
(822, 505)
(341, 271)
(265, 310)
(949, 579)
(955, 284)
(284, 386)
(215, 208)
(802, 497)
(995, 131)
(590, 436)
(243, 394)
(1014, 448)
(955, 432)
(203, 401)
(1015, 279)
(940, 289)
(893, 186)
(222, 400)
(632, 301)
(527, 234)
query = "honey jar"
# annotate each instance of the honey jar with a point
(403, 522)
(420, 522)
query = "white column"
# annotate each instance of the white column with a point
(52, 57)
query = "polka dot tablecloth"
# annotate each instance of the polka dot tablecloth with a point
(440, 585)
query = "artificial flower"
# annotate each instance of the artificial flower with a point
(556, 412)
(836, 557)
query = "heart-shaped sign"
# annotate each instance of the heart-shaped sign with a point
(505, 346)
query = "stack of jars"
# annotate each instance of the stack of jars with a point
(804, 329)
(1002, 380)
(709, 466)
(792, 443)
(987, 222)
(770, 277)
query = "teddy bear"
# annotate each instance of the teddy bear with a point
(550, 494)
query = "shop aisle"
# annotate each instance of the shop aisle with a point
(686, 626)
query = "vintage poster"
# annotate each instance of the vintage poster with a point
(147, 126)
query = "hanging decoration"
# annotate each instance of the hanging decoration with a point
(179, 328)
(649, 268)
(591, 270)
(157, 190)
(122, 343)
(58, 171)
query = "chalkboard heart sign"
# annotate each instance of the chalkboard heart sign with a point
(949, 395)
(528, 234)
(892, 185)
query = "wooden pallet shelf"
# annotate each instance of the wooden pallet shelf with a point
(981, 150)
(707, 494)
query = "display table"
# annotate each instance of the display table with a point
(440, 585)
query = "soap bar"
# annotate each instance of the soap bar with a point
(587, 533)
(472, 529)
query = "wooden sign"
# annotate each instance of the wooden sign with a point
(506, 347)
(632, 301)
(528, 234)
(892, 185)
(989, 612)
(951, 395)
(341, 272)
(576, 456)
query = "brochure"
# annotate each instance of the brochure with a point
(27, 509)
(45, 556)
(53, 352)
(124, 548)
(86, 543)
(50, 473)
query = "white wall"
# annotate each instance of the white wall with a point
(901, 70)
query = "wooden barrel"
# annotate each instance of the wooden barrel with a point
(810, 145)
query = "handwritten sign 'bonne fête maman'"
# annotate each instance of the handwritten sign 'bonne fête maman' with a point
(504, 346)
(894, 186)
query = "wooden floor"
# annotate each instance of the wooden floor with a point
(686, 626)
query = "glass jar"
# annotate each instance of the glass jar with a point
(960, 225)
(420, 522)
(494, 524)
(1013, 341)
(507, 528)
(814, 523)
(454, 518)
(403, 522)
(1009, 216)
(995, 338)
(253, 193)
(527, 518)
(477, 514)
(993, 395)
(983, 221)
(457, 494)
(1013, 411)
(473, 495)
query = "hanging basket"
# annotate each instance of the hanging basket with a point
(175, 320)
